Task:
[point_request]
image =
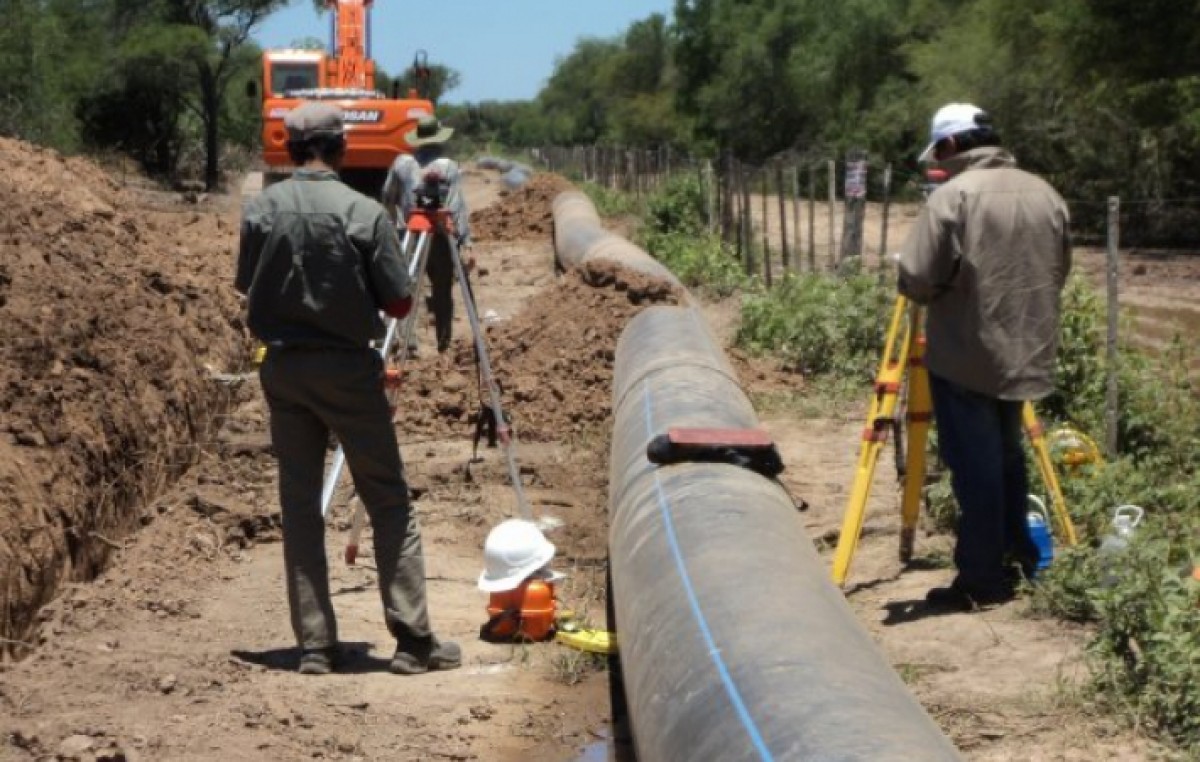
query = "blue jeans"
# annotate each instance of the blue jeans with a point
(980, 440)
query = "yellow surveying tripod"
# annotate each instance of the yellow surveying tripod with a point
(904, 349)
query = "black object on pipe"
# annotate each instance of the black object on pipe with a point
(734, 643)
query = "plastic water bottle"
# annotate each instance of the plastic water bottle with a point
(1125, 521)
(1038, 519)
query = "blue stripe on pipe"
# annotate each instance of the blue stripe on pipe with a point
(715, 653)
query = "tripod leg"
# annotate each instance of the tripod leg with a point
(920, 414)
(416, 273)
(879, 423)
(1037, 438)
(485, 367)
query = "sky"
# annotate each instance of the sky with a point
(503, 49)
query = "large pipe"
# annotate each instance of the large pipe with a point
(734, 644)
(579, 237)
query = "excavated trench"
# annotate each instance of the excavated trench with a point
(109, 326)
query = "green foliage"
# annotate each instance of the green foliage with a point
(1146, 606)
(1146, 653)
(819, 323)
(941, 509)
(1100, 96)
(441, 80)
(679, 207)
(47, 53)
(701, 261)
(609, 202)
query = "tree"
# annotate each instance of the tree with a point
(226, 25)
(139, 108)
(438, 81)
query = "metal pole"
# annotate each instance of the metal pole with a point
(1112, 396)
(489, 380)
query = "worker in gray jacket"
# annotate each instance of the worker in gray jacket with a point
(429, 178)
(317, 263)
(988, 256)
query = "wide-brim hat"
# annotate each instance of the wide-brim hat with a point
(950, 120)
(428, 132)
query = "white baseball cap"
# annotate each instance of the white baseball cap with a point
(950, 120)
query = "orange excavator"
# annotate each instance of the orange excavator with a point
(375, 123)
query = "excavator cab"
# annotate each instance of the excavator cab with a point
(376, 125)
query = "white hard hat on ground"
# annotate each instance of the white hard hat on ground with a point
(513, 550)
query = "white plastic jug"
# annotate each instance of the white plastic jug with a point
(1125, 520)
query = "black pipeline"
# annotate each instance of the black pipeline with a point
(734, 644)
(579, 237)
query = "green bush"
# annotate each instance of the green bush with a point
(1146, 651)
(678, 207)
(701, 261)
(1159, 405)
(1146, 654)
(819, 324)
(609, 202)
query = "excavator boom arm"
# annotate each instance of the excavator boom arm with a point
(352, 67)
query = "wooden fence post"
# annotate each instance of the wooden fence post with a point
(887, 204)
(832, 166)
(783, 239)
(765, 185)
(725, 186)
(855, 194)
(812, 218)
(710, 196)
(747, 226)
(796, 216)
(1112, 395)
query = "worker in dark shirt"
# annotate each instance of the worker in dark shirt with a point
(317, 263)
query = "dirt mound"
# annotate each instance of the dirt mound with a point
(520, 214)
(554, 360)
(107, 325)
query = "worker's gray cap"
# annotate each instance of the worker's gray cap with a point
(312, 119)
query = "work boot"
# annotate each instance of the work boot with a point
(959, 597)
(423, 656)
(318, 661)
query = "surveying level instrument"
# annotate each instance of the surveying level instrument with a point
(902, 370)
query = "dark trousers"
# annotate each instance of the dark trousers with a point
(980, 438)
(310, 393)
(441, 285)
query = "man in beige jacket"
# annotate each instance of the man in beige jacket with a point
(989, 256)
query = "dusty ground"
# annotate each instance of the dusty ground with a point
(181, 650)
